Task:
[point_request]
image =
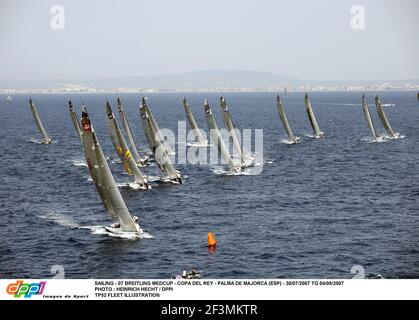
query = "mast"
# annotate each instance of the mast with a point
(383, 118)
(312, 117)
(217, 139)
(231, 129)
(75, 119)
(157, 144)
(122, 149)
(192, 122)
(284, 119)
(128, 131)
(368, 117)
(45, 138)
(102, 176)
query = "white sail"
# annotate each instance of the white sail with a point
(45, 138)
(368, 118)
(284, 120)
(217, 138)
(228, 121)
(128, 131)
(74, 119)
(147, 127)
(124, 153)
(158, 144)
(102, 177)
(195, 129)
(156, 128)
(383, 118)
(312, 118)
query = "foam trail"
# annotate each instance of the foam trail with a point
(100, 230)
(59, 219)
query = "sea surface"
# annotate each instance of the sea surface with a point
(316, 210)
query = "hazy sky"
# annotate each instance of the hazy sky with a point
(311, 40)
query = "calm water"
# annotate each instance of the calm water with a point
(316, 210)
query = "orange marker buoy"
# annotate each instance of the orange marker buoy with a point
(212, 242)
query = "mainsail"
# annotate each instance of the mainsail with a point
(147, 127)
(157, 143)
(231, 129)
(75, 119)
(128, 131)
(128, 163)
(45, 138)
(195, 129)
(102, 177)
(383, 118)
(312, 118)
(217, 139)
(285, 122)
(368, 117)
(156, 127)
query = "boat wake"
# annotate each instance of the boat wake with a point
(37, 141)
(101, 230)
(286, 141)
(132, 185)
(313, 136)
(59, 219)
(380, 139)
(161, 180)
(199, 145)
(383, 139)
(78, 163)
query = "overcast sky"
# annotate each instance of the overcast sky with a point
(311, 40)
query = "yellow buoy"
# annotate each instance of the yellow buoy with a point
(212, 242)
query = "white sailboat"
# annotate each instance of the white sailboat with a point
(281, 110)
(138, 159)
(75, 120)
(105, 183)
(228, 121)
(124, 153)
(217, 138)
(45, 138)
(384, 120)
(369, 119)
(317, 133)
(158, 144)
(200, 141)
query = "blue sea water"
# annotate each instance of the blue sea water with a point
(316, 210)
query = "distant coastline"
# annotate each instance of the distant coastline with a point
(202, 82)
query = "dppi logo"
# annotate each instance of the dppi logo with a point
(27, 290)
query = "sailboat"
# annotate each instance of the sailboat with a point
(45, 138)
(228, 121)
(195, 129)
(291, 137)
(75, 120)
(105, 183)
(384, 119)
(121, 147)
(140, 161)
(317, 133)
(368, 118)
(156, 127)
(157, 143)
(217, 138)
(9, 99)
